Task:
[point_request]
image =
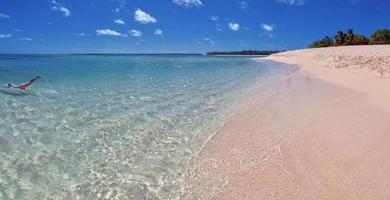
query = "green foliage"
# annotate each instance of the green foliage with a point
(326, 42)
(360, 40)
(340, 38)
(349, 40)
(315, 44)
(381, 36)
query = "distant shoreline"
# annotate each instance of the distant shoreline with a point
(222, 55)
(244, 52)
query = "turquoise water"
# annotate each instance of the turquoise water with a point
(112, 127)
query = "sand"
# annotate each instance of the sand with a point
(362, 68)
(319, 134)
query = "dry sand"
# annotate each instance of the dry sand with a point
(361, 68)
(326, 137)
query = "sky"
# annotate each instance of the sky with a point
(179, 26)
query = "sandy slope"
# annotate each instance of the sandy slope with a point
(306, 138)
(362, 68)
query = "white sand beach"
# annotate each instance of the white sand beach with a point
(361, 68)
(322, 133)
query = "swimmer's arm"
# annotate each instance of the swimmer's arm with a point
(10, 85)
(36, 78)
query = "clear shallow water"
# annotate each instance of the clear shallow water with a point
(111, 127)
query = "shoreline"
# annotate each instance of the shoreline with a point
(312, 136)
(244, 56)
(365, 69)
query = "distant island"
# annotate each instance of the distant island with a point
(379, 37)
(243, 53)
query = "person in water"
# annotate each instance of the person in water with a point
(23, 86)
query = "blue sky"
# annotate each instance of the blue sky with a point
(188, 26)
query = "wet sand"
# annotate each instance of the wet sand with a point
(299, 138)
(361, 68)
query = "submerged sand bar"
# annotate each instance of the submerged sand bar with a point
(321, 134)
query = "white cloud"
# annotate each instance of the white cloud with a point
(214, 18)
(212, 43)
(5, 36)
(119, 21)
(58, 7)
(26, 39)
(158, 32)
(143, 17)
(218, 27)
(243, 5)
(109, 32)
(268, 27)
(80, 34)
(292, 2)
(121, 3)
(234, 26)
(2, 15)
(135, 33)
(188, 3)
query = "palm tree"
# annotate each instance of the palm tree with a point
(350, 37)
(340, 38)
(326, 42)
(361, 40)
(381, 36)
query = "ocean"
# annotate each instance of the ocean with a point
(113, 126)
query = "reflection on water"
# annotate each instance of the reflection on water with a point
(112, 127)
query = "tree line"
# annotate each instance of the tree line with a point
(381, 36)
